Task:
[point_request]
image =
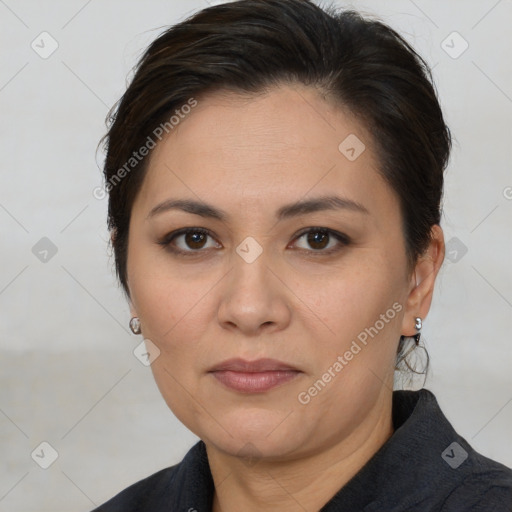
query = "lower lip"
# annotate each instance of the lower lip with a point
(254, 382)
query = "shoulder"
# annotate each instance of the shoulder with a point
(446, 472)
(174, 488)
(475, 483)
(486, 486)
(147, 494)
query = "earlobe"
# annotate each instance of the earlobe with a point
(423, 281)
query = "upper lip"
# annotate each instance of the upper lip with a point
(258, 365)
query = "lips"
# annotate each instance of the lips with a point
(253, 376)
(259, 365)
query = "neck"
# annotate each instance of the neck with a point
(308, 482)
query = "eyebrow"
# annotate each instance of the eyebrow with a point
(285, 212)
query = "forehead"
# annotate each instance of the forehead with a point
(265, 149)
(285, 121)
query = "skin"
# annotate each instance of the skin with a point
(294, 303)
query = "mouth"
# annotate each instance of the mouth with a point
(254, 376)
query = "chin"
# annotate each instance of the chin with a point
(252, 433)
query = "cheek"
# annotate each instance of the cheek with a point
(349, 299)
(165, 294)
(175, 379)
(174, 314)
(363, 310)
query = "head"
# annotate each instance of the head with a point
(304, 151)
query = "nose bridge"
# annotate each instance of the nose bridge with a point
(250, 272)
(250, 250)
(252, 296)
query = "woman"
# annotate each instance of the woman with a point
(275, 174)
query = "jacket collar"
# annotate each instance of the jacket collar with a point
(409, 470)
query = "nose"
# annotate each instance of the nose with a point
(254, 298)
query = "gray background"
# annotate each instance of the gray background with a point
(68, 375)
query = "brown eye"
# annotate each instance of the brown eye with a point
(323, 240)
(190, 240)
(194, 239)
(318, 239)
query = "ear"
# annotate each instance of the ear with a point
(422, 281)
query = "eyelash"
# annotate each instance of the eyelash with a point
(343, 239)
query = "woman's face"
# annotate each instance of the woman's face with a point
(249, 282)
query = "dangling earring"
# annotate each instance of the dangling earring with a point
(417, 325)
(135, 325)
